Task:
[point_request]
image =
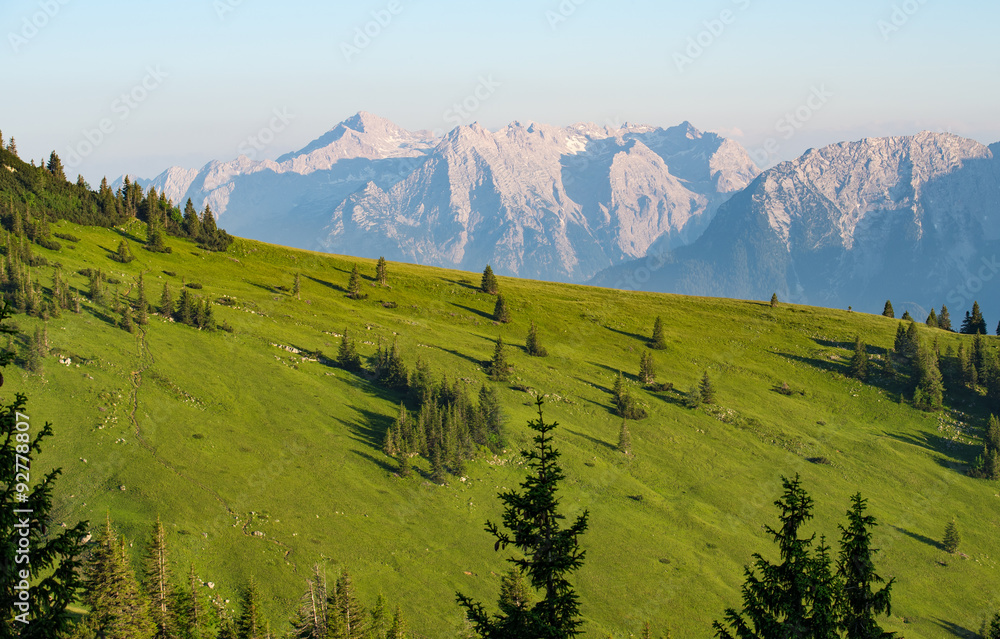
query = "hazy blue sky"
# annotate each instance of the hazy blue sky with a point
(215, 71)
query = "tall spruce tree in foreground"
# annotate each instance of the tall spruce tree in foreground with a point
(887, 310)
(791, 598)
(550, 553)
(53, 554)
(533, 344)
(658, 340)
(860, 606)
(489, 283)
(157, 584)
(250, 623)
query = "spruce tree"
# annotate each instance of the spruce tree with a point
(500, 311)
(166, 307)
(706, 390)
(907, 317)
(912, 342)
(55, 554)
(647, 368)
(774, 300)
(128, 323)
(859, 604)
(951, 539)
(381, 274)
(624, 438)
(354, 284)
(533, 344)
(887, 310)
(498, 369)
(189, 605)
(398, 628)
(347, 355)
(549, 553)
(779, 599)
(347, 615)
(658, 341)
(123, 254)
(944, 319)
(978, 323)
(185, 312)
(929, 394)
(119, 609)
(157, 584)
(932, 319)
(998, 328)
(859, 362)
(250, 623)
(192, 225)
(489, 283)
(141, 305)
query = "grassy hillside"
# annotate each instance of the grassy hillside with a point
(226, 435)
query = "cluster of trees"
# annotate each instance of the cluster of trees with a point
(808, 593)
(973, 324)
(190, 309)
(987, 465)
(924, 363)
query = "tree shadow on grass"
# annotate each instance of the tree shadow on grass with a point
(872, 350)
(129, 236)
(592, 440)
(642, 338)
(956, 630)
(464, 284)
(330, 285)
(950, 454)
(469, 358)
(483, 314)
(610, 410)
(381, 463)
(933, 543)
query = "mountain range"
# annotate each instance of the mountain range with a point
(672, 210)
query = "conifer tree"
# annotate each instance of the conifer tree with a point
(658, 341)
(347, 355)
(141, 305)
(706, 390)
(489, 283)
(192, 225)
(498, 369)
(55, 167)
(887, 310)
(859, 604)
(190, 609)
(944, 319)
(932, 319)
(778, 598)
(951, 539)
(491, 414)
(533, 344)
(377, 620)
(500, 311)
(311, 620)
(55, 554)
(912, 342)
(398, 628)
(128, 323)
(998, 328)
(348, 617)
(119, 608)
(381, 274)
(647, 368)
(929, 394)
(185, 310)
(354, 284)
(250, 623)
(549, 553)
(774, 300)
(859, 362)
(123, 254)
(166, 307)
(157, 584)
(624, 438)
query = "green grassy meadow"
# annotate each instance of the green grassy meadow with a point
(262, 462)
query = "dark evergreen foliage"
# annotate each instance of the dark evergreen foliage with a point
(347, 354)
(489, 283)
(907, 317)
(859, 361)
(952, 539)
(658, 340)
(932, 319)
(974, 323)
(774, 300)
(533, 344)
(887, 310)
(500, 311)
(944, 319)
(381, 273)
(706, 390)
(354, 284)
(647, 368)
(549, 552)
(860, 605)
(498, 368)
